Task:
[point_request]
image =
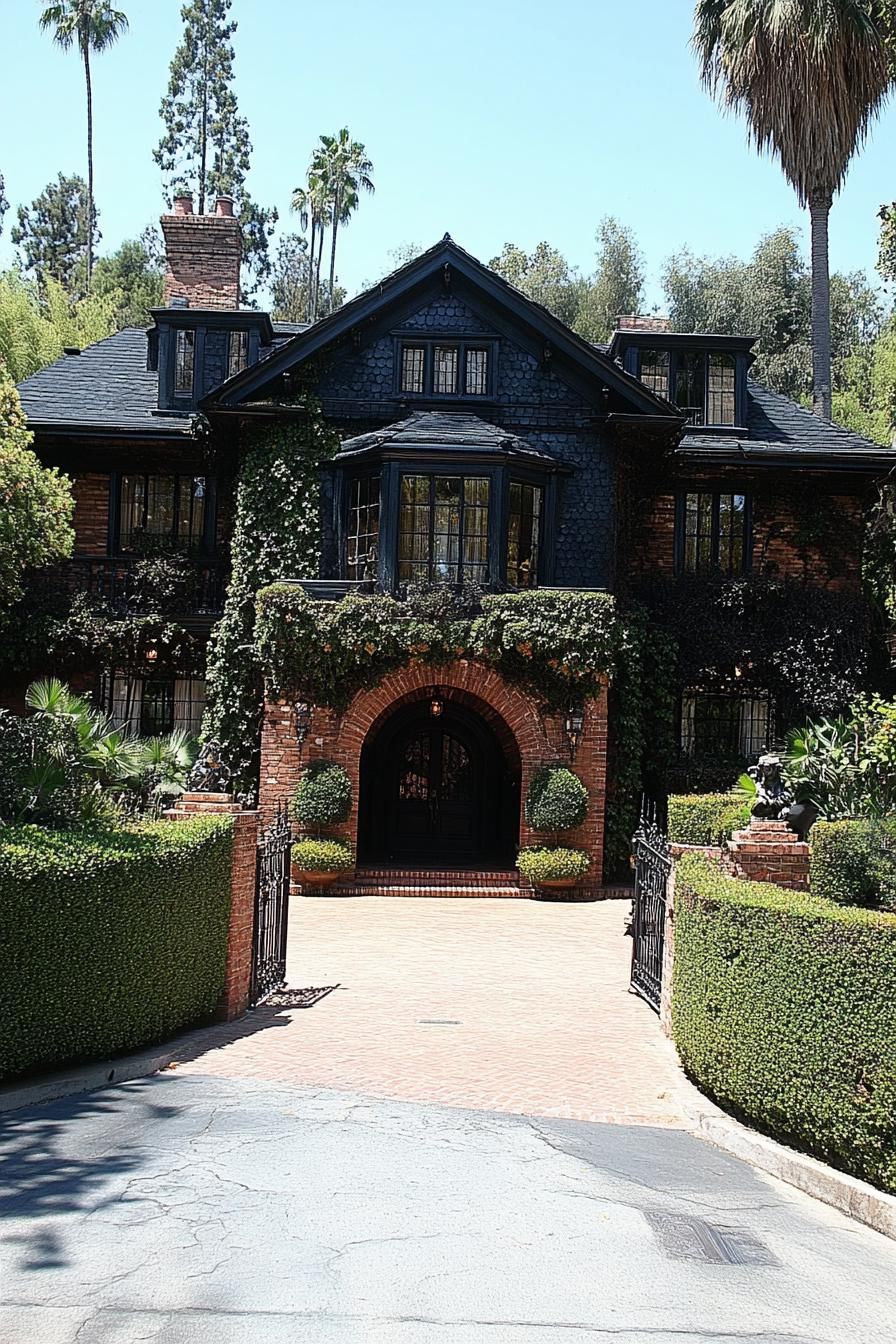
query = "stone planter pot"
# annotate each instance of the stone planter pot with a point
(309, 878)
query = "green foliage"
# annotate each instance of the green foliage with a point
(133, 280)
(36, 504)
(205, 148)
(705, 818)
(51, 234)
(557, 799)
(276, 536)
(854, 863)
(847, 766)
(322, 856)
(113, 938)
(541, 864)
(782, 1010)
(4, 203)
(36, 324)
(293, 281)
(323, 795)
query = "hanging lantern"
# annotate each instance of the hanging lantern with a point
(436, 702)
(302, 714)
(575, 727)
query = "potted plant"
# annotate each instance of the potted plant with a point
(553, 867)
(323, 797)
(319, 863)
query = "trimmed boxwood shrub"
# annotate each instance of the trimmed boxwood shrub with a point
(322, 856)
(540, 864)
(854, 862)
(110, 939)
(323, 795)
(557, 799)
(782, 1011)
(705, 818)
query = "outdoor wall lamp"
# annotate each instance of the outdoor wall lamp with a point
(575, 726)
(302, 714)
(436, 702)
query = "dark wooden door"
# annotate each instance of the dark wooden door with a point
(435, 795)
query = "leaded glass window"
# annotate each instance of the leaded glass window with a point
(690, 385)
(523, 525)
(184, 346)
(720, 390)
(363, 528)
(444, 376)
(724, 726)
(413, 359)
(476, 379)
(163, 508)
(443, 529)
(237, 352)
(655, 371)
(714, 533)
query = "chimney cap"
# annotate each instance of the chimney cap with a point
(643, 322)
(224, 206)
(183, 203)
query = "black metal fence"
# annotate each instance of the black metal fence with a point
(271, 909)
(653, 864)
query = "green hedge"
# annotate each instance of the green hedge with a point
(854, 862)
(109, 940)
(705, 818)
(783, 1012)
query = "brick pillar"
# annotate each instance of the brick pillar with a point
(769, 851)
(238, 970)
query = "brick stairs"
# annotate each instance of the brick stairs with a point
(431, 882)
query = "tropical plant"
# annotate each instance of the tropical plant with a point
(91, 26)
(847, 766)
(323, 796)
(312, 204)
(322, 856)
(557, 800)
(347, 173)
(810, 76)
(539, 864)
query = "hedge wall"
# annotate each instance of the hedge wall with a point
(782, 1011)
(854, 862)
(705, 818)
(109, 939)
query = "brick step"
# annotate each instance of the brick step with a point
(412, 882)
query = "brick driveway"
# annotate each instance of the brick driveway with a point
(517, 1006)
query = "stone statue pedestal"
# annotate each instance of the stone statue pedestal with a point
(769, 851)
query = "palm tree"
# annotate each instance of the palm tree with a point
(312, 204)
(348, 173)
(91, 25)
(810, 76)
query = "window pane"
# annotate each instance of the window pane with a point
(132, 500)
(723, 727)
(731, 534)
(445, 369)
(238, 356)
(720, 395)
(522, 534)
(689, 386)
(475, 568)
(655, 371)
(413, 528)
(476, 380)
(443, 529)
(446, 529)
(183, 362)
(190, 510)
(160, 492)
(157, 708)
(412, 368)
(363, 528)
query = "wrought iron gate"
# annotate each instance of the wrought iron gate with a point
(271, 909)
(653, 863)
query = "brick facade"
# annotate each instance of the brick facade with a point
(91, 520)
(526, 735)
(203, 255)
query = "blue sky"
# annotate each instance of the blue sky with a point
(497, 121)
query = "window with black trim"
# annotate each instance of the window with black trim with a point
(154, 706)
(701, 383)
(184, 360)
(713, 533)
(171, 508)
(443, 529)
(446, 368)
(655, 371)
(237, 352)
(724, 725)
(362, 537)
(523, 528)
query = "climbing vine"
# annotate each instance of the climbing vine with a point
(276, 535)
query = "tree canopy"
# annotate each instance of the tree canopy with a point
(36, 504)
(51, 233)
(134, 279)
(36, 325)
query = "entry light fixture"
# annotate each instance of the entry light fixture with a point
(302, 716)
(575, 726)
(436, 702)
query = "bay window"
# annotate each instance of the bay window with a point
(443, 529)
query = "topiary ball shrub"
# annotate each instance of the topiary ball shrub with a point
(323, 796)
(557, 799)
(540, 864)
(322, 856)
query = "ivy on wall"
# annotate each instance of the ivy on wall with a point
(276, 535)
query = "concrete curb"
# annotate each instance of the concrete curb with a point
(86, 1078)
(857, 1199)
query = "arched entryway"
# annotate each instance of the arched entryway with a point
(438, 790)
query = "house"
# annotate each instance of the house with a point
(480, 442)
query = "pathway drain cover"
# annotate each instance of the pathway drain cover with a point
(438, 1022)
(684, 1238)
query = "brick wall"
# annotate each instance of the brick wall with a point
(91, 521)
(202, 260)
(538, 740)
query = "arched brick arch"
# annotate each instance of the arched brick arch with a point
(527, 735)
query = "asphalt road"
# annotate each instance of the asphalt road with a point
(195, 1210)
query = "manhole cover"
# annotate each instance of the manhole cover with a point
(685, 1238)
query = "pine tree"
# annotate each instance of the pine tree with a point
(51, 233)
(4, 203)
(206, 147)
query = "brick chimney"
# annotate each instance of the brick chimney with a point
(643, 322)
(202, 255)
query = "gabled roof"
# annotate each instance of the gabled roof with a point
(451, 432)
(107, 386)
(400, 286)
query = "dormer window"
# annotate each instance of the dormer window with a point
(655, 371)
(184, 360)
(443, 368)
(701, 383)
(237, 352)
